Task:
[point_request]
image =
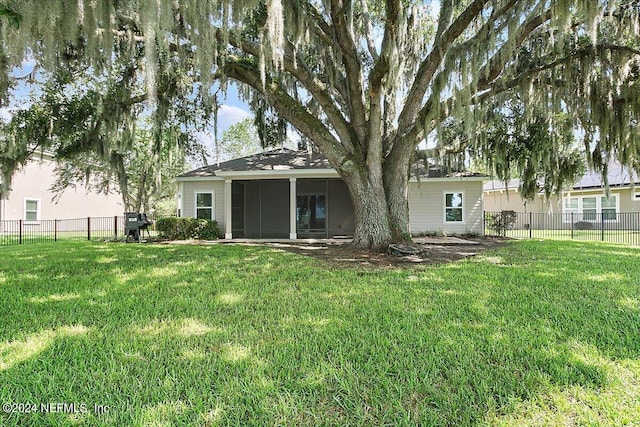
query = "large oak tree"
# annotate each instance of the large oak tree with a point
(367, 80)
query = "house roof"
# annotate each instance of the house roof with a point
(440, 171)
(618, 176)
(279, 159)
(497, 185)
(284, 159)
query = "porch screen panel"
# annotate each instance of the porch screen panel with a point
(252, 209)
(237, 209)
(340, 209)
(275, 208)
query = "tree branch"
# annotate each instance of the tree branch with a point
(486, 29)
(496, 64)
(368, 29)
(444, 17)
(320, 27)
(380, 70)
(351, 62)
(290, 109)
(306, 77)
(491, 71)
(433, 60)
(498, 87)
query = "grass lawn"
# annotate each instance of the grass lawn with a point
(624, 237)
(535, 333)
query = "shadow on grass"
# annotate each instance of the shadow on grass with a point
(245, 335)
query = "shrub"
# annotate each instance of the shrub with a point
(207, 229)
(583, 225)
(173, 228)
(500, 222)
(167, 227)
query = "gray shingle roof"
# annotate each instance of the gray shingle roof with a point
(500, 185)
(279, 159)
(286, 159)
(618, 176)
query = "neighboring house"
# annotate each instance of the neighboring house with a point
(30, 198)
(586, 200)
(293, 194)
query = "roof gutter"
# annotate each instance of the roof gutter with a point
(221, 175)
(263, 174)
(448, 179)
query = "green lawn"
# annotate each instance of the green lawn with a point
(623, 237)
(536, 333)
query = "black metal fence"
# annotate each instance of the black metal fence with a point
(614, 227)
(19, 231)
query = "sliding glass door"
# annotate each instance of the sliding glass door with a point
(311, 213)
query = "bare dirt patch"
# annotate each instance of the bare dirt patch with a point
(432, 251)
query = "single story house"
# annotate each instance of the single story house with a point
(31, 198)
(585, 200)
(291, 194)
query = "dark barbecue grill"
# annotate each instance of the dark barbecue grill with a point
(134, 224)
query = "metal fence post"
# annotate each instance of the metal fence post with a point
(20, 232)
(571, 225)
(55, 230)
(88, 228)
(602, 225)
(530, 224)
(484, 222)
(115, 226)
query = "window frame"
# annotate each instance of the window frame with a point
(326, 213)
(591, 213)
(570, 210)
(566, 218)
(38, 210)
(445, 207)
(616, 208)
(211, 208)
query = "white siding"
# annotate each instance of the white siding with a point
(189, 190)
(33, 181)
(495, 201)
(426, 206)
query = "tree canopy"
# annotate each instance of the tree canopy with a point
(240, 140)
(364, 80)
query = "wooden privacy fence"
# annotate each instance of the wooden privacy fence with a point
(614, 227)
(19, 231)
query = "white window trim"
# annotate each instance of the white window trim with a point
(38, 211)
(213, 203)
(444, 207)
(180, 204)
(635, 196)
(567, 217)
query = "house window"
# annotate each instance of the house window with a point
(204, 205)
(31, 209)
(453, 207)
(571, 205)
(608, 207)
(590, 208)
(636, 196)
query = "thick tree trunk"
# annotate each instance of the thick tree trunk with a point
(396, 185)
(379, 191)
(372, 225)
